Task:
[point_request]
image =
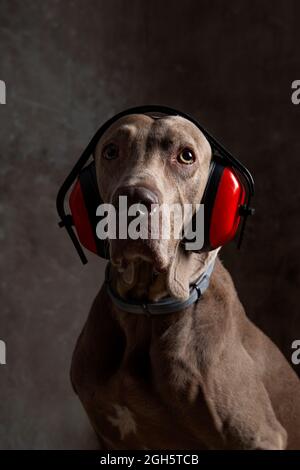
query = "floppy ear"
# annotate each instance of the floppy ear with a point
(185, 269)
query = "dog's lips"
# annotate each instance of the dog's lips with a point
(125, 251)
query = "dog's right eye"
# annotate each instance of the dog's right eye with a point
(186, 157)
(110, 152)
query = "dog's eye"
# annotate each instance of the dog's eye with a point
(186, 157)
(110, 151)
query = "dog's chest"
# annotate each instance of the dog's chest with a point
(128, 413)
(127, 409)
(135, 381)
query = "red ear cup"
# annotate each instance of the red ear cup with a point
(224, 194)
(84, 200)
(225, 215)
(81, 219)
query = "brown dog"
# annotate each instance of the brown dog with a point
(204, 377)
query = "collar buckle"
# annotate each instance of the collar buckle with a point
(196, 287)
(146, 309)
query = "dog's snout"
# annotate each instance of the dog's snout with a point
(137, 195)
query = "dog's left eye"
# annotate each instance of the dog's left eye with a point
(110, 151)
(186, 157)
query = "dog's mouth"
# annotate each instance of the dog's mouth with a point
(124, 252)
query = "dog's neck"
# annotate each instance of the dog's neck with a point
(139, 281)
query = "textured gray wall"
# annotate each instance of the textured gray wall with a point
(68, 66)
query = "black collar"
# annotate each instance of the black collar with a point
(166, 305)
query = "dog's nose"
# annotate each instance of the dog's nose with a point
(136, 195)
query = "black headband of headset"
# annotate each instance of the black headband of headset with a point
(217, 149)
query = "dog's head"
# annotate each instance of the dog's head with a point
(154, 162)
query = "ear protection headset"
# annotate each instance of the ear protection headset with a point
(226, 198)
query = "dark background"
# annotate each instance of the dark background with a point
(70, 65)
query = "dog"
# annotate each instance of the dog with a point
(203, 377)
